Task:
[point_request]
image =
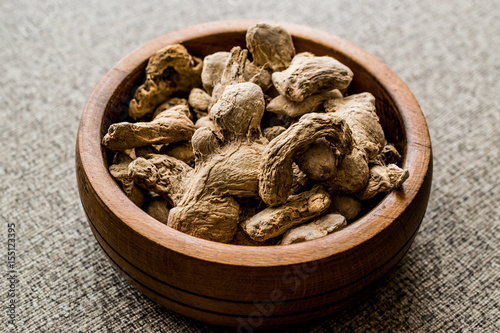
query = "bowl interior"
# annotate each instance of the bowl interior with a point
(390, 118)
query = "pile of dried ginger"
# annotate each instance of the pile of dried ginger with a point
(256, 146)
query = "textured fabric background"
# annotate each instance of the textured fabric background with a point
(53, 53)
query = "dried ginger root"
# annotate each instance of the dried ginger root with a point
(172, 125)
(270, 45)
(276, 172)
(283, 105)
(170, 70)
(382, 180)
(358, 111)
(170, 103)
(346, 205)
(180, 150)
(119, 171)
(299, 208)
(319, 161)
(309, 74)
(318, 228)
(227, 166)
(161, 174)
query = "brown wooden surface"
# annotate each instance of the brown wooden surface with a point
(220, 283)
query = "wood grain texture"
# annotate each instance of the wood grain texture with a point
(231, 285)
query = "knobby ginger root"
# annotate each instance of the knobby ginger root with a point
(281, 104)
(309, 74)
(170, 70)
(318, 228)
(270, 45)
(276, 171)
(169, 126)
(274, 221)
(227, 166)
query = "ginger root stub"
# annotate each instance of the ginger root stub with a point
(256, 146)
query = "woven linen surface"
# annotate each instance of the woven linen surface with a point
(53, 53)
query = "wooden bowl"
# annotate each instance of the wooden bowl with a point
(242, 286)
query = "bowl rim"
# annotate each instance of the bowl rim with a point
(417, 159)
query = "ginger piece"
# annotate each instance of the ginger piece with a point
(204, 122)
(346, 205)
(234, 72)
(213, 67)
(180, 150)
(359, 113)
(227, 166)
(318, 228)
(258, 75)
(119, 171)
(199, 100)
(162, 174)
(382, 180)
(170, 103)
(283, 105)
(352, 173)
(276, 172)
(319, 161)
(216, 64)
(270, 45)
(299, 208)
(157, 207)
(272, 132)
(309, 74)
(169, 126)
(170, 70)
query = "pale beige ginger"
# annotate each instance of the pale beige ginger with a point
(297, 209)
(283, 105)
(233, 73)
(216, 63)
(227, 166)
(170, 103)
(319, 161)
(213, 67)
(180, 150)
(346, 205)
(276, 171)
(383, 179)
(119, 170)
(199, 100)
(309, 74)
(204, 122)
(157, 207)
(259, 75)
(162, 174)
(318, 228)
(270, 45)
(359, 113)
(172, 125)
(170, 70)
(352, 173)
